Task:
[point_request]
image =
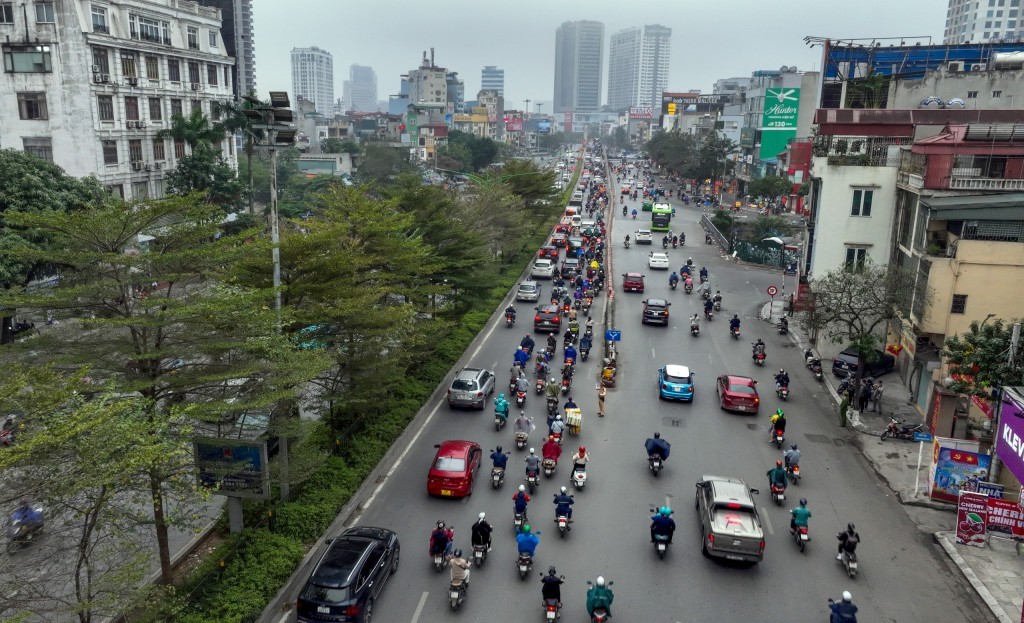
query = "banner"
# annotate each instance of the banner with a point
(956, 470)
(641, 113)
(971, 518)
(514, 124)
(1005, 518)
(778, 123)
(1010, 436)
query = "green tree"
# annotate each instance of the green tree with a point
(619, 138)
(338, 146)
(482, 151)
(382, 164)
(766, 227)
(771, 186)
(194, 129)
(713, 158)
(724, 222)
(205, 171)
(455, 156)
(233, 120)
(979, 359)
(525, 179)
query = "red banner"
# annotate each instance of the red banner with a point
(971, 518)
(1005, 518)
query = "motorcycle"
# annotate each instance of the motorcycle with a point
(539, 387)
(705, 294)
(20, 535)
(778, 494)
(499, 421)
(525, 563)
(694, 330)
(718, 304)
(675, 243)
(563, 524)
(688, 287)
(794, 474)
(509, 320)
(816, 370)
(708, 314)
(600, 614)
(759, 358)
(664, 243)
(849, 562)
(584, 353)
(552, 405)
(895, 431)
(457, 593)
(549, 467)
(521, 438)
(479, 555)
(552, 608)
(734, 332)
(783, 328)
(627, 244)
(801, 536)
(655, 463)
(497, 476)
(520, 398)
(518, 519)
(566, 384)
(780, 436)
(782, 391)
(672, 283)
(532, 480)
(579, 478)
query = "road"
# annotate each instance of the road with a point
(902, 579)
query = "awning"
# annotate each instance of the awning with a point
(1002, 207)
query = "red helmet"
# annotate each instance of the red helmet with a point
(778, 463)
(583, 450)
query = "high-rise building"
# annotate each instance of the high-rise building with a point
(493, 79)
(966, 22)
(456, 92)
(428, 83)
(236, 29)
(638, 65)
(579, 49)
(363, 88)
(313, 77)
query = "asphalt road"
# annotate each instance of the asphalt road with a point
(902, 578)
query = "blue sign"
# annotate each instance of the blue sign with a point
(990, 489)
(919, 436)
(612, 336)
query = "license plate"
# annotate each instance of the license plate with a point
(661, 547)
(523, 568)
(741, 408)
(323, 609)
(465, 396)
(455, 594)
(446, 491)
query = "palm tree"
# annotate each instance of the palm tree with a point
(193, 130)
(233, 121)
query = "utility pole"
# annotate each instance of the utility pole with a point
(539, 104)
(527, 107)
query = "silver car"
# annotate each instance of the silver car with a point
(528, 291)
(471, 388)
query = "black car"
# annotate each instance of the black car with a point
(847, 362)
(655, 311)
(349, 577)
(548, 319)
(570, 267)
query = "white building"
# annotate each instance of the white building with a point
(493, 79)
(363, 88)
(313, 77)
(638, 66)
(98, 81)
(971, 21)
(654, 65)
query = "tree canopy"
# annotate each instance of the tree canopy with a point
(979, 359)
(205, 171)
(691, 156)
(770, 186)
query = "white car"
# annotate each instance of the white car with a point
(543, 269)
(644, 236)
(658, 260)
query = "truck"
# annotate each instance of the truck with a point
(730, 526)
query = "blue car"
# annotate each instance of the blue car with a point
(675, 383)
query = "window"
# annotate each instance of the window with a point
(193, 72)
(959, 305)
(41, 147)
(109, 152)
(211, 74)
(148, 29)
(193, 37)
(6, 13)
(862, 202)
(197, 105)
(27, 59)
(116, 189)
(213, 38)
(179, 148)
(106, 107)
(972, 95)
(227, 74)
(156, 109)
(128, 66)
(131, 108)
(135, 150)
(32, 106)
(997, 94)
(152, 68)
(855, 258)
(140, 191)
(99, 19)
(44, 12)
(176, 109)
(101, 60)
(158, 151)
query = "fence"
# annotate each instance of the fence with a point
(763, 252)
(716, 235)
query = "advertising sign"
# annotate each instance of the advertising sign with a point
(641, 113)
(971, 516)
(515, 124)
(235, 468)
(778, 123)
(567, 124)
(1005, 518)
(544, 127)
(1010, 436)
(955, 470)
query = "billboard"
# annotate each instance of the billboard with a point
(641, 113)
(694, 101)
(778, 123)
(956, 467)
(748, 137)
(233, 467)
(514, 124)
(567, 125)
(971, 518)
(544, 127)
(1010, 436)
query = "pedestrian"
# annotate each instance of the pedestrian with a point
(602, 391)
(865, 395)
(876, 397)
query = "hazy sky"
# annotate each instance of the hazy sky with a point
(711, 39)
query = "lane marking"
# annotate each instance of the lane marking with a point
(284, 617)
(653, 356)
(419, 607)
(767, 520)
(487, 337)
(398, 461)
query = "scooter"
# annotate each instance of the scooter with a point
(661, 544)
(509, 320)
(778, 494)
(895, 431)
(627, 244)
(518, 519)
(497, 476)
(664, 243)
(579, 478)
(794, 473)
(782, 391)
(780, 436)
(552, 405)
(759, 358)
(457, 593)
(705, 294)
(563, 524)
(584, 353)
(816, 370)
(549, 467)
(600, 614)
(688, 286)
(734, 332)
(525, 563)
(499, 421)
(694, 330)
(552, 608)
(532, 480)
(520, 398)
(539, 386)
(718, 304)
(655, 463)
(521, 438)
(708, 314)
(801, 537)
(479, 555)
(566, 384)
(849, 562)
(783, 328)
(673, 283)
(21, 536)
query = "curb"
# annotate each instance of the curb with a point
(942, 538)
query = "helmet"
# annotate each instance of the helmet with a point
(803, 501)
(531, 451)
(558, 417)
(778, 463)
(482, 516)
(519, 348)
(553, 380)
(522, 488)
(440, 524)
(498, 449)
(522, 414)
(781, 371)
(849, 527)
(847, 596)
(600, 580)
(779, 413)
(526, 528)
(551, 570)
(737, 317)
(501, 395)
(563, 489)
(583, 450)
(793, 447)
(657, 435)
(458, 553)
(665, 511)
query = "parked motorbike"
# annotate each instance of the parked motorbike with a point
(895, 431)
(497, 476)
(520, 399)
(525, 563)
(479, 555)
(655, 463)
(778, 494)
(549, 467)
(782, 391)
(801, 537)
(521, 438)
(579, 478)
(457, 593)
(532, 480)
(849, 562)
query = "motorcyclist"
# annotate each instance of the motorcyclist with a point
(567, 371)
(527, 541)
(29, 517)
(441, 540)
(657, 446)
(523, 384)
(527, 343)
(552, 388)
(689, 261)
(551, 449)
(532, 462)
(459, 568)
(673, 279)
(633, 213)
(695, 322)
(717, 298)
(542, 363)
(580, 459)
(499, 458)
(552, 342)
(685, 270)
(551, 586)
(708, 306)
(781, 379)
(844, 611)
(569, 404)
(481, 531)
(557, 426)
(521, 357)
(758, 347)
(501, 406)
(791, 456)
(662, 524)
(675, 241)
(778, 423)
(574, 327)
(510, 311)
(848, 541)
(800, 516)
(523, 423)
(570, 353)
(734, 322)
(703, 274)
(563, 503)
(587, 342)
(777, 476)
(627, 235)
(520, 500)
(599, 596)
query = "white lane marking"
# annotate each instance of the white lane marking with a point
(653, 356)
(419, 607)
(767, 520)
(398, 461)
(284, 617)
(486, 337)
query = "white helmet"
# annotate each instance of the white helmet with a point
(600, 580)
(558, 417)
(482, 516)
(847, 596)
(531, 450)
(522, 487)
(563, 489)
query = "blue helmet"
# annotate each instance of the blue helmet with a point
(665, 511)
(502, 395)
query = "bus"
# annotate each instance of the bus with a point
(661, 217)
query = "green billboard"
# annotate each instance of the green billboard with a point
(778, 124)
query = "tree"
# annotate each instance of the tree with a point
(620, 138)
(194, 129)
(482, 151)
(525, 179)
(766, 227)
(713, 158)
(853, 305)
(979, 359)
(724, 222)
(205, 171)
(383, 164)
(455, 156)
(771, 186)
(234, 121)
(338, 146)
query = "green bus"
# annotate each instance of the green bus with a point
(661, 217)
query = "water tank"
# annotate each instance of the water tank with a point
(1008, 60)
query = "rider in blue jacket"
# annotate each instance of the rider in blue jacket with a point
(563, 503)
(500, 458)
(662, 523)
(527, 541)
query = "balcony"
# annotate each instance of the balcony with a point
(910, 180)
(873, 151)
(984, 183)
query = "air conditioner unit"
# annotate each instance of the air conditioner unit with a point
(133, 81)
(979, 66)
(955, 66)
(149, 168)
(158, 165)
(105, 78)
(140, 124)
(129, 124)
(136, 165)
(196, 86)
(97, 77)
(95, 69)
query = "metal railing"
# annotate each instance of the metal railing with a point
(984, 183)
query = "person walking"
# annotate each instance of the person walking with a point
(602, 391)
(876, 397)
(864, 395)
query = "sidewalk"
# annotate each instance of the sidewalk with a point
(995, 571)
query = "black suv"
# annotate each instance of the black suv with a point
(570, 267)
(847, 362)
(349, 577)
(548, 319)
(655, 311)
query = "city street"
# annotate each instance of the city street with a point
(902, 575)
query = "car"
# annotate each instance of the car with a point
(847, 362)
(570, 266)
(632, 282)
(575, 242)
(543, 269)
(470, 388)
(738, 393)
(349, 577)
(730, 526)
(548, 318)
(588, 223)
(675, 382)
(559, 239)
(453, 473)
(528, 291)
(655, 312)
(658, 261)
(644, 236)
(549, 251)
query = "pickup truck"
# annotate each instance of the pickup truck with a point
(730, 527)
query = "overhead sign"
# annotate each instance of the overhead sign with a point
(641, 113)
(778, 123)
(233, 467)
(612, 335)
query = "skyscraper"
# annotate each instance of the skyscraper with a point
(363, 88)
(638, 65)
(579, 47)
(493, 79)
(313, 77)
(966, 23)
(236, 30)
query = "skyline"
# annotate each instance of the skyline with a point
(745, 36)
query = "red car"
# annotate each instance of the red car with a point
(738, 393)
(632, 282)
(454, 470)
(549, 252)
